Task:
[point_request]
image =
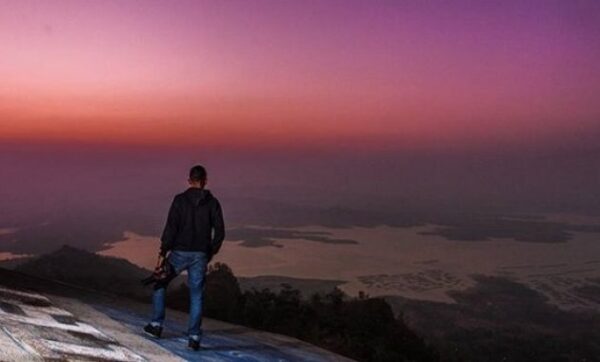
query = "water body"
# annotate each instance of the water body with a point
(404, 261)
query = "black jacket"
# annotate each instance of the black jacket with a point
(193, 216)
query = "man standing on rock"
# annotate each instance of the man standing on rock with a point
(192, 236)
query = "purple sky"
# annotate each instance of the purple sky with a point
(405, 74)
(372, 105)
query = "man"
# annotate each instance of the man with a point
(192, 236)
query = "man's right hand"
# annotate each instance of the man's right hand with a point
(160, 264)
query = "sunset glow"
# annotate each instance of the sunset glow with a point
(401, 73)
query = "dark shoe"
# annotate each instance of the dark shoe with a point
(153, 331)
(193, 344)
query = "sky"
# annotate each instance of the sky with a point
(304, 112)
(369, 75)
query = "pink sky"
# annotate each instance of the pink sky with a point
(412, 73)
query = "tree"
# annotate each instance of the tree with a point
(222, 293)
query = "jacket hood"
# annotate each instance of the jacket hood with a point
(198, 196)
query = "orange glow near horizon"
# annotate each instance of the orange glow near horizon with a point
(210, 73)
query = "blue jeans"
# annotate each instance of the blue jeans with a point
(195, 262)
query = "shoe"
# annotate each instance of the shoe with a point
(153, 331)
(193, 344)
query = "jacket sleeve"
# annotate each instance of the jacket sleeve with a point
(218, 227)
(171, 228)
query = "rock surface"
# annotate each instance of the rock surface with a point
(46, 320)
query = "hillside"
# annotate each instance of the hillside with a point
(275, 283)
(114, 275)
(42, 320)
(85, 269)
(365, 329)
(499, 319)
